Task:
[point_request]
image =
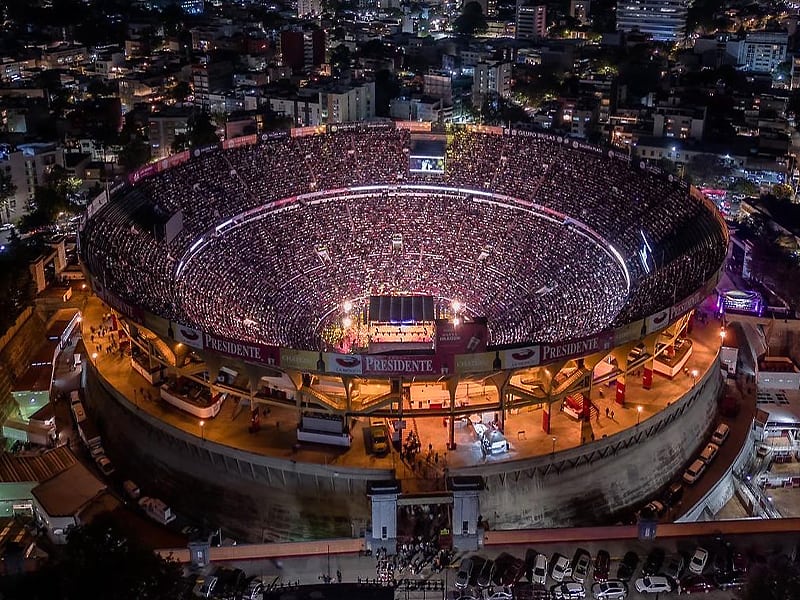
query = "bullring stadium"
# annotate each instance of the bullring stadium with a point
(486, 298)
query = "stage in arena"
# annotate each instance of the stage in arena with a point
(401, 323)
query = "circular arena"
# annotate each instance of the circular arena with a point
(403, 277)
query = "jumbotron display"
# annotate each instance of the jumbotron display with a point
(545, 238)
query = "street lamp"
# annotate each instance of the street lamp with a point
(554, 444)
(202, 430)
(94, 355)
(694, 377)
(638, 414)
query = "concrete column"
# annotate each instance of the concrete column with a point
(647, 375)
(452, 386)
(546, 417)
(620, 396)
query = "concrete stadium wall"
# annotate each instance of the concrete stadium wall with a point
(254, 498)
(573, 487)
(258, 498)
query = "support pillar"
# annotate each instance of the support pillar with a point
(452, 386)
(620, 395)
(546, 417)
(647, 375)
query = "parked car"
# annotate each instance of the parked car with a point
(560, 567)
(539, 569)
(695, 584)
(675, 566)
(628, 566)
(673, 494)
(132, 490)
(694, 471)
(730, 580)
(255, 589)
(698, 560)
(581, 563)
(709, 453)
(502, 593)
(568, 590)
(478, 563)
(653, 584)
(464, 573)
(613, 589)
(602, 562)
(484, 578)
(654, 508)
(652, 564)
(720, 434)
(508, 570)
(380, 440)
(104, 464)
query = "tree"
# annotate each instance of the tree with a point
(707, 168)
(782, 191)
(100, 562)
(779, 579)
(744, 186)
(471, 20)
(340, 59)
(181, 91)
(202, 131)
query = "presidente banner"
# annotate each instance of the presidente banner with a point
(516, 358)
(391, 364)
(552, 352)
(657, 321)
(687, 304)
(186, 335)
(628, 333)
(246, 351)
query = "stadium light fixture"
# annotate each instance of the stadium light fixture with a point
(722, 333)
(347, 322)
(638, 414)
(202, 430)
(347, 306)
(456, 321)
(455, 305)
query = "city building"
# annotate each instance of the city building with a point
(763, 51)
(343, 103)
(28, 166)
(193, 7)
(663, 20)
(164, 126)
(491, 79)
(422, 108)
(531, 21)
(209, 78)
(679, 122)
(308, 8)
(302, 49)
(580, 9)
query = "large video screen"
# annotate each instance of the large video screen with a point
(426, 164)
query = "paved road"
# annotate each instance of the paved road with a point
(310, 570)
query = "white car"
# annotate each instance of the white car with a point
(653, 584)
(613, 589)
(698, 561)
(570, 590)
(720, 434)
(539, 572)
(561, 568)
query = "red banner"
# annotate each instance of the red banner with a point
(551, 352)
(247, 351)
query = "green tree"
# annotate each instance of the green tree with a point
(201, 130)
(16, 291)
(782, 191)
(707, 168)
(471, 20)
(779, 579)
(744, 186)
(100, 562)
(340, 59)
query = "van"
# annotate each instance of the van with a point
(708, 453)
(156, 510)
(132, 490)
(695, 470)
(720, 434)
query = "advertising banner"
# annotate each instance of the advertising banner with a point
(657, 321)
(187, 335)
(343, 364)
(465, 338)
(529, 356)
(245, 140)
(390, 364)
(481, 362)
(302, 360)
(628, 333)
(129, 310)
(246, 351)
(687, 304)
(552, 352)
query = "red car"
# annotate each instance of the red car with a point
(601, 565)
(696, 584)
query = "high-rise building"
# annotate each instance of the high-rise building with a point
(580, 9)
(347, 103)
(663, 20)
(309, 8)
(28, 166)
(193, 7)
(303, 49)
(531, 21)
(163, 126)
(491, 79)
